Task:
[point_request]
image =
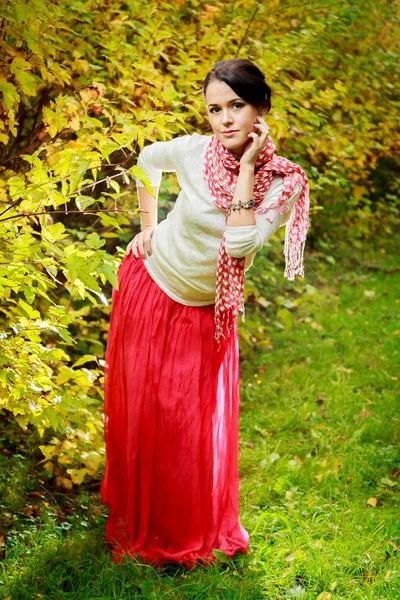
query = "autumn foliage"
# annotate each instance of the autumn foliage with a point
(84, 86)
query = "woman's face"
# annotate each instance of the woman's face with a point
(228, 112)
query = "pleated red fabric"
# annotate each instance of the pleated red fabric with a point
(171, 407)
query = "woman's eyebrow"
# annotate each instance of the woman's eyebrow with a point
(229, 102)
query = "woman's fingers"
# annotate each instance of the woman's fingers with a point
(261, 123)
(129, 248)
(264, 128)
(147, 242)
(140, 244)
(133, 248)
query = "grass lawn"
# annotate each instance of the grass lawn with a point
(318, 461)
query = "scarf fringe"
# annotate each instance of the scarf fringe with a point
(294, 250)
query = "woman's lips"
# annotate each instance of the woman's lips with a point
(229, 133)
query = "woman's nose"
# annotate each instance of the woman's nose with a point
(226, 117)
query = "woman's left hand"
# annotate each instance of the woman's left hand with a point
(256, 144)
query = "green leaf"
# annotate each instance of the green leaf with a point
(83, 202)
(54, 121)
(115, 185)
(79, 169)
(220, 555)
(27, 82)
(84, 359)
(141, 175)
(55, 232)
(285, 317)
(10, 94)
(93, 240)
(109, 221)
(32, 313)
(17, 187)
(109, 270)
(78, 268)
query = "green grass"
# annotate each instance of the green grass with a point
(319, 423)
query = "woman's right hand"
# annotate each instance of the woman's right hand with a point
(141, 242)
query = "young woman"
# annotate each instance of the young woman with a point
(172, 365)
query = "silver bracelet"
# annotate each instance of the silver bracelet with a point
(238, 205)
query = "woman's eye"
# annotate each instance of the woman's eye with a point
(236, 105)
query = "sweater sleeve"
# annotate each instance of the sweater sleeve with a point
(243, 240)
(159, 157)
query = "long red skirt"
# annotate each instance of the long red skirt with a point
(171, 428)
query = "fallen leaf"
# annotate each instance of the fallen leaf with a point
(372, 501)
(291, 556)
(364, 413)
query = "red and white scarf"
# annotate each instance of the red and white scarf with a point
(221, 169)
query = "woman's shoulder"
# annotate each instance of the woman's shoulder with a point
(192, 139)
(188, 147)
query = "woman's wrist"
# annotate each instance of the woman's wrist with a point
(148, 227)
(246, 167)
(240, 210)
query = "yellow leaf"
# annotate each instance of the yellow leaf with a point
(64, 482)
(359, 191)
(49, 466)
(372, 501)
(48, 451)
(10, 94)
(27, 82)
(64, 459)
(77, 475)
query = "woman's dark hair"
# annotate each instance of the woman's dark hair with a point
(244, 77)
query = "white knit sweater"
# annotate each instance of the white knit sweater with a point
(185, 245)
